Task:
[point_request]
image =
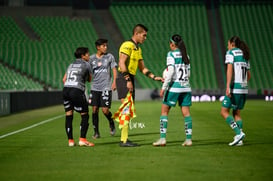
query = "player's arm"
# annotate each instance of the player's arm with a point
(64, 78)
(114, 71)
(189, 71)
(122, 59)
(248, 75)
(89, 69)
(89, 78)
(122, 62)
(122, 65)
(167, 80)
(229, 77)
(168, 77)
(147, 72)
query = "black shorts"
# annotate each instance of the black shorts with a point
(74, 99)
(122, 86)
(100, 98)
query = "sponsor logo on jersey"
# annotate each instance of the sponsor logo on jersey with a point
(101, 70)
(78, 108)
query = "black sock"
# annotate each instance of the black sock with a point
(110, 119)
(95, 120)
(68, 126)
(84, 125)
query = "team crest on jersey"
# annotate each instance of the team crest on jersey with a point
(99, 64)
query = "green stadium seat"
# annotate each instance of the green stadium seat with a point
(11, 80)
(60, 36)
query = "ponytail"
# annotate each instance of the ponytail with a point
(177, 40)
(242, 45)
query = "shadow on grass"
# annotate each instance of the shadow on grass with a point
(141, 134)
(174, 143)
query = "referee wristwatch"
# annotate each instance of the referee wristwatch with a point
(127, 79)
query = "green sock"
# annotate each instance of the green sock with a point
(240, 124)
(230, 121)
(163, 126)
(188, 127)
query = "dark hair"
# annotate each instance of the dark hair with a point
(139, 28)
(81, 51)
(242, 45)
(177, 40)
(100, 41)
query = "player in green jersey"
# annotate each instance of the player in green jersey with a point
(176, 88)
(238, 75)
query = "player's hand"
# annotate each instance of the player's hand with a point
(159, 79)
(130, 86)
(228, 92)
(114, 87)
(161, 93)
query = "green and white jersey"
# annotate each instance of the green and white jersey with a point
(180, 78)
(240, 68)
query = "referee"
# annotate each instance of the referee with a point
(130, 58)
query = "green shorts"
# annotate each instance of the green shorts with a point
(235, 102)
(183, 98)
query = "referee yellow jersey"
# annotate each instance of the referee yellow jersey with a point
(135, 55)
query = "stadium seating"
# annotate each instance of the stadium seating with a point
(47, 59)
(60, 36)
(12, 80)
(253, 23)
(163, 21)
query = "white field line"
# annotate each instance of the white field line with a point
(32, 126)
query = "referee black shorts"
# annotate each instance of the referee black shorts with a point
(122, 86)
(74, 99)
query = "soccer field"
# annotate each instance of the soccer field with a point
(33, 146)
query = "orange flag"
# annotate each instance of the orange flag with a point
(126, 111)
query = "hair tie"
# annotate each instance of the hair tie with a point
(171, 40)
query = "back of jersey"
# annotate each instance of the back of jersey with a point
(240, 68)
(181, 74)
(77, 74)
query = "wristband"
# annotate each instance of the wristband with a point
(148, 73)
(128, 79)
(125, 74)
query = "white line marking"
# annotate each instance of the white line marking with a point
(29, 127)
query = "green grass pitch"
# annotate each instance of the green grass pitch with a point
(42, 152)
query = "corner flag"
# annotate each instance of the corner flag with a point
(126, 111)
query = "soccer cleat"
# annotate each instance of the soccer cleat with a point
(237, 139)
(240, 143)
(96, 136)
(112, 131)
(71, 142)
(160, 142)
(128, 143)
(84, 142)
(187, 142)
